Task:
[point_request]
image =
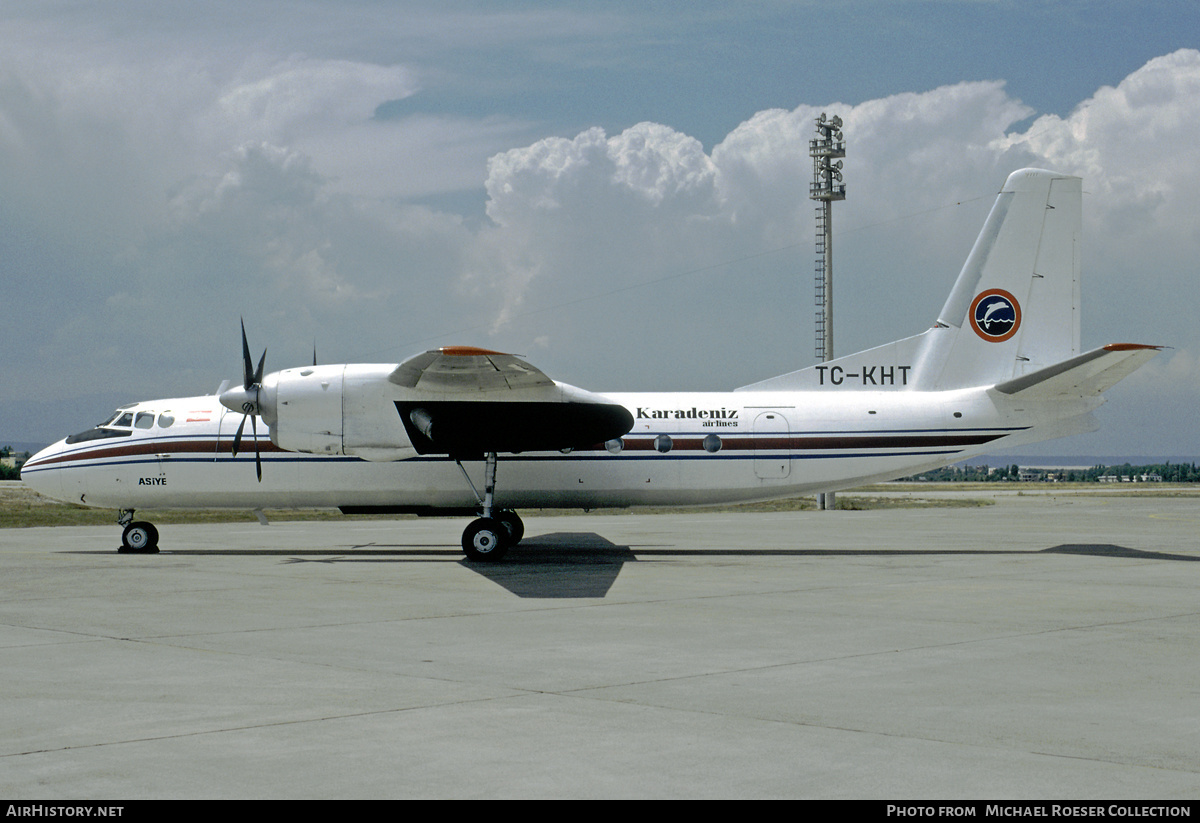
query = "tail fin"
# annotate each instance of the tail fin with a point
(1013, 310)
(1015, 305)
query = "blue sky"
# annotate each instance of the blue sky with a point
(615, 190)
(706, 70)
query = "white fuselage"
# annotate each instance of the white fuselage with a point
(684, 449)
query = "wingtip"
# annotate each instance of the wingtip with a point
(1131, 347)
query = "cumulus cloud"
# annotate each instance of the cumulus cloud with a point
(597, 213)
(1135, 147)
(327, 110)
(152, 205)
(657, 186)
(608, 210)
(648, 163)
(1128, 141)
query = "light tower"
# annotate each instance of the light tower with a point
(826, 150)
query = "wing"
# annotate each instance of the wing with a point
(466, 402)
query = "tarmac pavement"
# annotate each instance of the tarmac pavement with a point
(1046, 647)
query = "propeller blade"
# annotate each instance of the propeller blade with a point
(247, 363)
(237, 438)
(257, 459)
(258, 373)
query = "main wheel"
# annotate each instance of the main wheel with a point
(512, 522)
(485, 540)
(139, 537)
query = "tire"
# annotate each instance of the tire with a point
(139, 537)
(511, 521)
(485, 540)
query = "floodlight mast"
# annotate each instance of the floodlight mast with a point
(826, 150)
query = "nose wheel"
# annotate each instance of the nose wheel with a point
(139, 536)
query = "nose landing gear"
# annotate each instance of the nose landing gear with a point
(139, 536)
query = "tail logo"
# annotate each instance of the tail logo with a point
(995, 315)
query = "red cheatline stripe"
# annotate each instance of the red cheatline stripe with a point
(159, 447)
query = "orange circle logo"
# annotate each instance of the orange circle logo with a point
(995, 315)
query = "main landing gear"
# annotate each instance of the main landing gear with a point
(489, 537)
(139, 536)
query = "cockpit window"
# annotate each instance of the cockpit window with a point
(144, 420)
(98, 433)
(105, 430)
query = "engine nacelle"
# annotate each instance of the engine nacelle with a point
(343, 409)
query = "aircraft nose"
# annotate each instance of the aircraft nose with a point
(41, 474)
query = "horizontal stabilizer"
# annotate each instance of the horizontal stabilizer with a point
(1086, 374)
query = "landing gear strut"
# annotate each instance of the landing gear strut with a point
(489, 537)
(139, 536)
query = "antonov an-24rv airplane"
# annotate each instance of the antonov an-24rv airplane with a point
(1000, 367)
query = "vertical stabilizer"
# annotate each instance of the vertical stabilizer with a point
(1014, 308)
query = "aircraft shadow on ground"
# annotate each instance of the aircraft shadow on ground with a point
(585, 564)
(1110, 550)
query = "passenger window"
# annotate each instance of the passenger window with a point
(144, 420)
(165, 420)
